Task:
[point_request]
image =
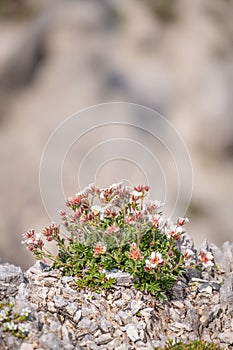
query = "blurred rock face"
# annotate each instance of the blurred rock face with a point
(59, 57)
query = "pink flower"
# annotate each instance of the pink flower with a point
(32, 240)
(51, 231)
(135, 253)
(130, 220)
(99, 249)
(110, 230)
(206, 258)
(181, 221)
(188, 254)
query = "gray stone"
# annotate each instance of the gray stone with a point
(50, 342)
(125, 318)
(71, 308)
(147, 312)
(122, 278)
(77, 316)
(10, 278)
(206, 288)
(105, 325)
(112, 345)
(226, 337)
(103, 339)
(220, 259)
(136, 306)
(59, 301)
(90, 325)
(226, 291)
(123, 347)
(132, 332)
(227, 250)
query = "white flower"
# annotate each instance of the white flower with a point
(206, 258)
(188, 253)
(3, 314)
(24, 327)
(11, 326)
(154, 260)
(88, 296)
(25, 312)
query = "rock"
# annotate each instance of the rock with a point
(125, 318)
(226, 337)
(72, 308)
(135, 306)
(105, 325)
(122, 278)
(205, 288)
(147, 312)
(103, 339)
(59, 301)
(220, 259)
(132, 332)
(10, 278)
(50, 342)
(64, 318)
(226, 291)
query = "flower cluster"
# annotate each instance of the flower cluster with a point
(117, 227)
(13, 322)
(32, 240)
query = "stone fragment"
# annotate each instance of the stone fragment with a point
(132, 332)
(136, 306)
(226, 337)
(122, 278)
(71, 308)
(206, 288)
(77, 316)
(179, 304)
(59, 301)
(226, 291)
(125, 318)
(103, 339)
(105, 325)
(50, 342)
(85, 323)
(220, 259)
(10, 278)
(147, 312)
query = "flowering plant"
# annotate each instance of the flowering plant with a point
(116, 227)
(12, 322)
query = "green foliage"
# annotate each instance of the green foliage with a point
(193, 345)
(115, 228)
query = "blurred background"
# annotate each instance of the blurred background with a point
(58, 57)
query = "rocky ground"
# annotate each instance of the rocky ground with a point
(58, 57)
(59, 317)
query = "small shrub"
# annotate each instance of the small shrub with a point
(116, 228)
(193, 345)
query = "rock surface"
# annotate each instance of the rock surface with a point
(120, 318)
